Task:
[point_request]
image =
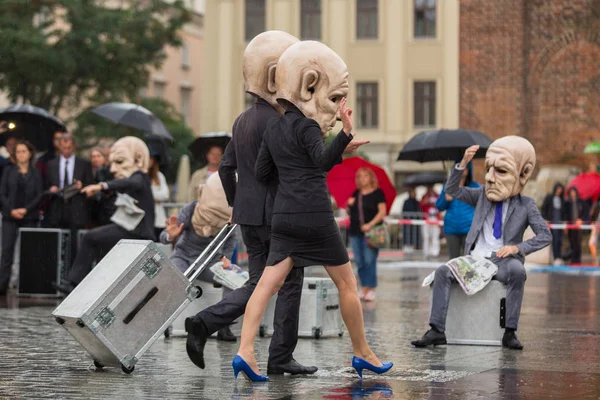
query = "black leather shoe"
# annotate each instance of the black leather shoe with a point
(430, 337)
(64, 287)
(291, 367)
(226, 335)
(196, 340)
(510, 341)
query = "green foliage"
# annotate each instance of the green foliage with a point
(360, 153)
(92, 129)
(60, 53)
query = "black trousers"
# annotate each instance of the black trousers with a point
(575, 242)
(95, 245)
(287, 309)
(557, 240)
(456, 245)
(10, 232)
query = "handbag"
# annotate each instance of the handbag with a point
(377, 237)
(128, 214)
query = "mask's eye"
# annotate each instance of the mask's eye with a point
(334, 99)
(501, 171)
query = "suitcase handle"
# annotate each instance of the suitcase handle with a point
(335, 307)
(140, 305)
(193, 271)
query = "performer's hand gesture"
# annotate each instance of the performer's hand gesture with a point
(354, 145)
(173, 229)
(91, 190)
(469, 154)
(346, 116)
(507, 251)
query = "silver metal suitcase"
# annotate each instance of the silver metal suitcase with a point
(129, 299)
(320, 314)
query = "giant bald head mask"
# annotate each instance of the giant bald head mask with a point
(260, 59)
(509, 163)
(314, 78)
(127, 156)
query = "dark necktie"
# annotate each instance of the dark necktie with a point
(66, 182)
(498, 221)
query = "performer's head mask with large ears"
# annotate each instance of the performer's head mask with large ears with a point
(127, 156)
(314, 78)
(260, 61)
(509, 163)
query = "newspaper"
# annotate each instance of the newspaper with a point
(128, 214)
(233, 277)
(471, 273)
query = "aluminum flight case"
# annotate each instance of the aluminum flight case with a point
(129, 299)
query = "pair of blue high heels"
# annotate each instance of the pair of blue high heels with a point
(239, 365)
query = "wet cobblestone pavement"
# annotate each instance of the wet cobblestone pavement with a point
(560, 328)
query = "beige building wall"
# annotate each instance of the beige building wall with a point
(395, 60)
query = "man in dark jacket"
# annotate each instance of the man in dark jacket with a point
(252, 203)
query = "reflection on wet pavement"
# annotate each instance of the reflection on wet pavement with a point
(560, 328)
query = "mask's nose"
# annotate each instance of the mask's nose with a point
(490, 176)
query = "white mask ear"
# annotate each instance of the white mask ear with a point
(271, 87)
(309, 81)
(526, 173)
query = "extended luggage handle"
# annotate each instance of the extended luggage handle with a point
(212, 249)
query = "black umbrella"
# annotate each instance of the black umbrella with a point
(134, 116)
(203, 143)
(425, 178)
(158, 149)
(31, 123)
(443, 145)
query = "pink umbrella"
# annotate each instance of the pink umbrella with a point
(588, 185)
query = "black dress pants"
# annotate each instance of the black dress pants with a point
(575, 242)
(95, 245)
(287, 309)
(10, 232)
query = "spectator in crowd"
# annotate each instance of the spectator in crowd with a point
(68, 210)
(459, 215)
(575, 212)
(20, 196)
(367, 209)
(553, 209)
(11, 144)
(102, 203)
(213, 158)
(195, 228)
(431, 232)
(160, 191)
(594, 239)
(51, 154)
(411, 234)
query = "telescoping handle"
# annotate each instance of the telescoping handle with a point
(212, 249)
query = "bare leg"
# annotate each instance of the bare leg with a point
(344, 279)
(270, 282)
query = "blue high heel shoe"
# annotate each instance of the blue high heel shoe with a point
(359, 364)
(239, 365)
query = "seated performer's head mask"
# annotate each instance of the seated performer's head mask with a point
(260, 61)
(314, 78)
(128, 155)
(509, 163)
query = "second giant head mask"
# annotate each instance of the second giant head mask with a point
(260, 61)
(509, 163)
(314, 78)
(127, 156)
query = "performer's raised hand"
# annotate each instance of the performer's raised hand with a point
(346, 116)
(173, 228)
(354, 145)
(469, 155)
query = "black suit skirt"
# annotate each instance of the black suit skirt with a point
(309, 239)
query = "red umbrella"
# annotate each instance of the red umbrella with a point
(341, 181)
(588, 185)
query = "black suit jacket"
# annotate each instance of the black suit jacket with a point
(8, 192)
(252, 200)
(293, 144)
(139, 187)
(79, 205)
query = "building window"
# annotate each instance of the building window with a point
(185, 56)
(310, 19)
(424, 104)
(159, 89)
(366, 19)
(255, 18)
(186, 94)
(248, 100)
(367, 104)
(425, 18)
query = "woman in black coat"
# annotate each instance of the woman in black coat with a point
(575, 211)
(20, 195)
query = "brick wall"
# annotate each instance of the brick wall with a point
(532, 68)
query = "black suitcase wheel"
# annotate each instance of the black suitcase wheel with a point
(127, 370)
(98, 365)
(168, 333)
(317, 333)
(59, 320)
(262, 331)
(199, 292)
